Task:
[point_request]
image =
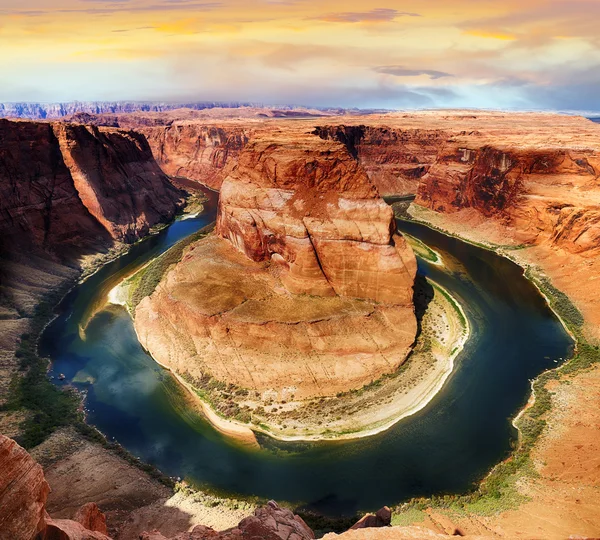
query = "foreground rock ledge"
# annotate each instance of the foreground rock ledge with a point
(304, 291)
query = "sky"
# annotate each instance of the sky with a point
(516, 54)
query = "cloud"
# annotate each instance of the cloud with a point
(121, 6)
(537, 24)
(400, 71)
(375, 15)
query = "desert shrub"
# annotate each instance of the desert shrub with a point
(145, 281)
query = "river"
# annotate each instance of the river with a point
(445, 448)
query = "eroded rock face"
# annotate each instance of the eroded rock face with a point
(309, 207)
(90, 516)
(67, 529)
(304, 291)
(197, 152)
(67, 188)
(268, 523)
(23, 493)
(40, 208)
(117, 179)
(383, 518)
(540, 193)
(395, 158)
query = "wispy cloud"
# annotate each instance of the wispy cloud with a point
(530, 53)
(401, 71)
(119, 6)
(375, 15)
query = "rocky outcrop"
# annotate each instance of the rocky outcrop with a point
(67, 529)
(117, 179)
(305, 290)
(539, 193)
(196, 151)
(382, 518)
(67, 189)
(40, 208)
(23, 493)
(312, 210)
(395, 159)
(268, 523)
(90, 516)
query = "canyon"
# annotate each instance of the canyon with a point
(315, 298)
(525, 185)
(68, 194)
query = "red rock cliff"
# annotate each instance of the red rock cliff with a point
(395, 159)
(68, 188)
(196, 151)
(545, 195)
(308, 206)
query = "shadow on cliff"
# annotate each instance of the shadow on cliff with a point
(423, 295)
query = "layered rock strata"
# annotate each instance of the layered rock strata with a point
(305, 290)
(395, 158)
(67, 188)
(548, 196)
(67, 191)
(23, 494)
(268, 523)
(200, 152)
(312, 210)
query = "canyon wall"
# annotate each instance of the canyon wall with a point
(304, 290)
(535, 173)
(395, 159)
(69, 188)
(546, 195)
(66, 192)
(200, 152)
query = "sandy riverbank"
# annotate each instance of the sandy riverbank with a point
(361, 413)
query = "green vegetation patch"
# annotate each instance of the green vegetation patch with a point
(31, 390)
(422, 249)
(144, 282)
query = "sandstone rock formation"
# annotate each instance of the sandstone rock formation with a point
(312, 209)
(66, 188)
(23, 494)
(268, 523)
(395, 158)
(310, 293)
(199, 152)
(528, 188)
(117, 179)
(90, 516)
(382, 518)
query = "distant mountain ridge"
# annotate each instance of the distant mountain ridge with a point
(42, 111)
(55, 111)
